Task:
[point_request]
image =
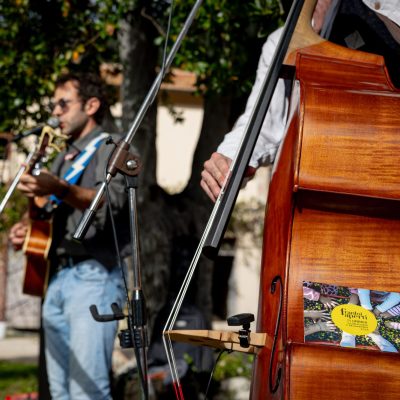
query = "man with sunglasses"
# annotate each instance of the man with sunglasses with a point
(78, 349)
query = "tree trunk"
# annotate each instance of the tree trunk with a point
(215, 124)
(3, 274)
(217, 113)
(170, 229)
(139, 60)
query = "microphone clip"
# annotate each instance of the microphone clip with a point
(116, 315)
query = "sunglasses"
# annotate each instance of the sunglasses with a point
(63, 103)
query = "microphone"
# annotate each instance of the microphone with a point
(53, 122)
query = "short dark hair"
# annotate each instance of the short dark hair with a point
(88, 85)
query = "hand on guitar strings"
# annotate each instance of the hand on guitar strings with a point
(40, 184)
(17, 234)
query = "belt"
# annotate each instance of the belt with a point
(70, 261)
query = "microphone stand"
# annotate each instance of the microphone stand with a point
(15, 181)
(136, 335)
(124, 162)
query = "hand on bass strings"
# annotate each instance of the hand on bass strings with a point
(215, 172)
(213, 176)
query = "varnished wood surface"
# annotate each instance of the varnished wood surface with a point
(38, 238)
(318, 372)
(36, 276)
(357, 150)
(342, 142)
(346, 69)
(228, 340)
(36, 248)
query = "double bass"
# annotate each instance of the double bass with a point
(332, 217)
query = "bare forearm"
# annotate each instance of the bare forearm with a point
(79, 197)
(46, 184)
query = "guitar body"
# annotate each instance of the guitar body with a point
(36, 249)
(38, 239)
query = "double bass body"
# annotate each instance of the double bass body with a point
(332, 217)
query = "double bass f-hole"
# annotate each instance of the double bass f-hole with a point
(274, 388)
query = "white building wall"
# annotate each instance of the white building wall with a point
(176, 143)
(175, 147)
(245, 277)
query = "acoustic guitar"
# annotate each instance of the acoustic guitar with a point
(38, 239)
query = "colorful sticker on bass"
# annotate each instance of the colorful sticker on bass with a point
(351, 317)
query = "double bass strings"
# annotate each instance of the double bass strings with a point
(180, 297)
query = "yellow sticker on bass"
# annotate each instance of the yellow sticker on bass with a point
(354, 319)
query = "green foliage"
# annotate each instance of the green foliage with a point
(17, 378)
(224, 42)
(234, 365)
(13, 211)
(393, 335)
(40, 39)
(248, 217)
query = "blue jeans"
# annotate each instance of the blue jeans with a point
(78, 349)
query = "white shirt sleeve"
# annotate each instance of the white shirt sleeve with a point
(387, 8)
(272, 130)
